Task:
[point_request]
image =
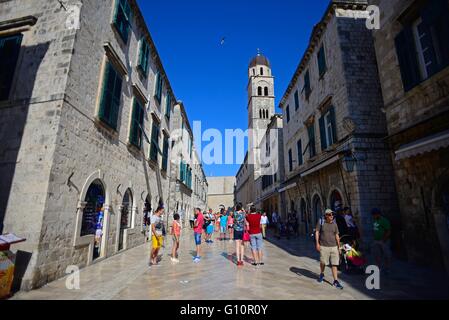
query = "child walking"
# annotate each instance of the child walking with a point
(176, 234)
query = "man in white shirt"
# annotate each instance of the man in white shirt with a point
(264, 223)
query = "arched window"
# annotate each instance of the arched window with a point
(125, 218)
(260, 114)
(261, 71)
(254, 72)
(259, 91)
(93, 214)
(266, 91)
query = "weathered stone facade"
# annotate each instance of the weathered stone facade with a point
(344, 108)
(220, 192)
(53, 145)
(186, 193)
(269, 182)
(417, 119)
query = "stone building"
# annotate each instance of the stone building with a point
(84, 128)
(412, 49)
(333, 134)
(188, 189)
(269, 183)
(260, 110)
(220, 192)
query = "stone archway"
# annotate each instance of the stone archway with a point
(440, 210)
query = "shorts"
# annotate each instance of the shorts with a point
(210, 229)
(222, 229)
(330, 256)
(238, 235)
(157, 241)
(197, 239)
(230, 226)
(381, 249)
(256, 241)
(174, 239)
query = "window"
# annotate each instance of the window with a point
(261, 71)
(254, 72)
(287, 111)
(9, 54)
(135, 134)
(328, 129)
(266, 91)
(144, 57)
(306, 88)
(260, 113)
(110, 97)
(311, 133)
(290, 160)
(422, 46)
(296, 100)
(122, 19)
(299, 148)
(165, 154)
(168, 105)
(322, 62)
(259, 91)
(158, 88)
(154, 149)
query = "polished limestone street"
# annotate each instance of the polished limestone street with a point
(290, 272)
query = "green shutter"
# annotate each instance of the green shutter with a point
(307, 84)
(299, 147)
(154, 150)
(323, 134)
(122, 19)
(136, 124)
(110, 97)
(435, 17)
(311, 132)
(322, 61)
(287, 111)
(144, 57)
(9, 55)
(334, 124)
(168, 106)
(296, 100)
(158, 88)
(408, 61)
(165, 155)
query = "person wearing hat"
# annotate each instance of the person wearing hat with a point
(381, 244)
(328, 245)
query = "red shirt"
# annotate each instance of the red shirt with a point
(200, 220)
(254, 223)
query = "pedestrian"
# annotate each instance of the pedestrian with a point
(276, 224)
(157, 238)
(176, 235)
(353, 230)
(238, 228)
(192, 221)
(223, 224)
(341, 222)
(254, 220)
(264, 223)
(381, 246)
(209, 217)
(328, 245)
(198, 230)
(231, 226)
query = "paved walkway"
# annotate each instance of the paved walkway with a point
(290, 273)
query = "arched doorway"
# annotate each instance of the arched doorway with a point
(317, 209)
(93, 215)
(336, 200)
(125, 217)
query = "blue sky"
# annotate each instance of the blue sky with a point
(211, 78)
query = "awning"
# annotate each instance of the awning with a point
(424, 145)
(321, 166)
(291, 186)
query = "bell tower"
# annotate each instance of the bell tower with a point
(260, 106)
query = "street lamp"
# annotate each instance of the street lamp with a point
(349, 161)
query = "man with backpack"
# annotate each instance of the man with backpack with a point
(328, 245)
